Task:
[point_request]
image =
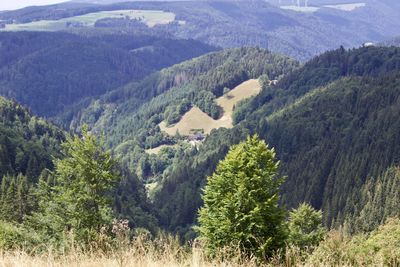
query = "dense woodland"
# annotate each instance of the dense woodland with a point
(301, 118)
(298, 116)
(29, 147)
(332, 123)
(50, 72)
(129, 116)
(240, 23)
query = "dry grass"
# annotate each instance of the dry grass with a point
(166, 252)
(243, 91)
(194, 119)
(144, 253)
(197, 119)
(157, 150)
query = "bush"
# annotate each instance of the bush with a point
(379, 248)
(13, 236)
(305, 227)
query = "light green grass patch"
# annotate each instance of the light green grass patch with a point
(347, 7)
(149, 17)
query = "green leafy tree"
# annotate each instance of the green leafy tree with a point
(80, 199)
(305, 226)
(241, 202)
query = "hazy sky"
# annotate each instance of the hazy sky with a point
(15, 4)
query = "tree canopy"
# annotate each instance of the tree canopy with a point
(241, 201)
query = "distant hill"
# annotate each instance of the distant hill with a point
(256, 23)
(51, 71)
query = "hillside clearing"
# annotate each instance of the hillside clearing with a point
(157, 150)
(196, 119)
(347, 7)
(149, 17)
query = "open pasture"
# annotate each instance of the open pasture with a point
(197, 119)
(149, 17)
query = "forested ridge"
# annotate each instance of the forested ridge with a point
(342, 105)
(50, 72)
(129, 116)
(29, 146)
(242, 23)
(346, 112)
(216, 134)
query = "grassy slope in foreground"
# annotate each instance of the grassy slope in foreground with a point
(195, 119)
(149, 17)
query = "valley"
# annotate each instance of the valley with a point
(200, 133)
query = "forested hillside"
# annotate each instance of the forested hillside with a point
(29, 146)
(200, 133)
(27, 143)
(301, 35)
(129, 116)
(49, 72)
(333, 123)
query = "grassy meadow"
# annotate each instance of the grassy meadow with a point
(197, 119)
(149, 17)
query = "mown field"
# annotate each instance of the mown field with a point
(149, 17)
(195, 119)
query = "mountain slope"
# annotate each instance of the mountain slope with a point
(333, 122)
(301, 35)
(28, 147)
(129, 116)
(51, 71)
(27, 143)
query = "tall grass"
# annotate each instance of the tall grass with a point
(379, 248)
(142, 252)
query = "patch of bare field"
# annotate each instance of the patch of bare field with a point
(197, 119)
(157, 150)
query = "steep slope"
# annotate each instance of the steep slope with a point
(353, 124)
(27, 143)
(51, 72)
(129, 117)
(28, 147)
(333, 122)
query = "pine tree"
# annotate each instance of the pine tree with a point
(241, 202)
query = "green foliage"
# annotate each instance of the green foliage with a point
(378, 248)
(173, 113)
(70, 70)
(14, 236)
(301, 119)
(241, 202)
(379, 201)
(305, 227)
(129, 116)
(80, 199)
(16, 198)
(27, 143)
